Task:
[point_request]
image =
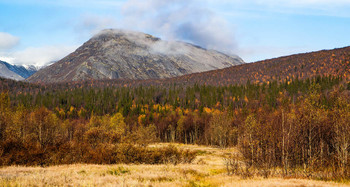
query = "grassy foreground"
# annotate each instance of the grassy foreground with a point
(208, 169)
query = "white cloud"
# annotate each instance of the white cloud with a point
(185, 20)
(92, 24)
(189, 20)
(8, 41)
(38, 56)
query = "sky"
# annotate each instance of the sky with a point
(38, 32)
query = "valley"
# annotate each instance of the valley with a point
(175, 93)
(282, 121)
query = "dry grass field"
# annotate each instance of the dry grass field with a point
(208, 169)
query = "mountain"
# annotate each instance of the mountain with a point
(335, 62)
(119, 54)
(16, 72)
(5, 72)
(23, 71)
(304, 66)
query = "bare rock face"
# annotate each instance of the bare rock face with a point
(119, 54)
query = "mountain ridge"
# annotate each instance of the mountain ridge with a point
(334, 62)
(119, 54)
(15, 72)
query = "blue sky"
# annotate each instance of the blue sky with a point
(41, 31)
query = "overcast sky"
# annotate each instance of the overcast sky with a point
(41, 31)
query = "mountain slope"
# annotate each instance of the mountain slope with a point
(334, 62)
(5, 72)
(22, 71)
(117, 54)
(15, 72)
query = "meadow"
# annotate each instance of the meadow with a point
(207, 169)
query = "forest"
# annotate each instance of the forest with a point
(297, 126)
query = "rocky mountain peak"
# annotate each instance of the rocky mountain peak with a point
(120, 54)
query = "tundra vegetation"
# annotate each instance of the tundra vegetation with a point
(291, 128)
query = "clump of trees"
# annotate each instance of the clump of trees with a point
(40, 137)
(306, 139)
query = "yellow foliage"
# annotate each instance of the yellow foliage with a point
(179, 111)
(156, 115)
(71, 109)
(82, 112)
(197, 101)
(156, 107)
(61, 113)
(141, 118)
(246, 99)
(117, 123)
(133, 106)
(207, 110)
(216, 112)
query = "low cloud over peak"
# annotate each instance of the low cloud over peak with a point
(188, 20)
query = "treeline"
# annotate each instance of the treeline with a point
(297, 125)
(83, 100)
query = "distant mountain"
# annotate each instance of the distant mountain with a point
(23, 71)
(5, 72)
(16, 72)
(118, 54)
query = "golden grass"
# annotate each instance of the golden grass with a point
(207, 170)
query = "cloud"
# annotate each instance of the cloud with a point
(38, 56)
(332, 8)
(154, 45)
(8, 41)
(189, 20)
(91, 24)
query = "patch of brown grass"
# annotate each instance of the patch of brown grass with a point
(207, 169)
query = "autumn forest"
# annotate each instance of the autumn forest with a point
(296, 125)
